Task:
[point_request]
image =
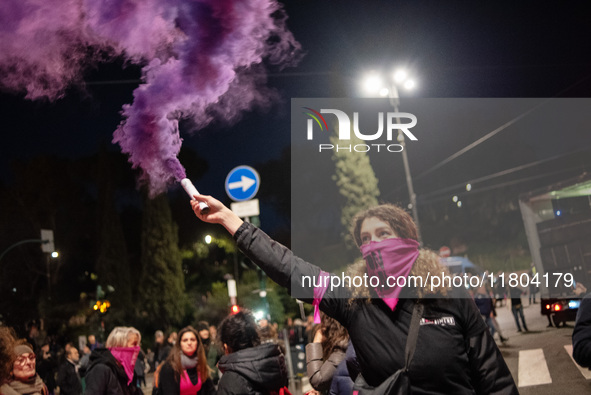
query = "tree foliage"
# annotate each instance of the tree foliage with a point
(112, 264)
(356, 181)
(162, 287)
(215, 306)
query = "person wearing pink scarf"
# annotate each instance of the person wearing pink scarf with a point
(185, 371)
(110, 370)
(419, 338)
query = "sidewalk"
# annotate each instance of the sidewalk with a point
(147, 390)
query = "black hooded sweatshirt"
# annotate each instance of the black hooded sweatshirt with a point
(255, 370)
(106, 376)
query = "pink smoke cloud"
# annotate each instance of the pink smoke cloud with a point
(203, 59)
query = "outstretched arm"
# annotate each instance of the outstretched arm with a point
(217, 214)
(276, 260)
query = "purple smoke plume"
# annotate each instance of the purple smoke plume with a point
(203, 59)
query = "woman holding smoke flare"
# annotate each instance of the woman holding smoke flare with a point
(408, 340)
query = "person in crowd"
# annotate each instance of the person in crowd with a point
(268, 334)
(158, 346)
(185, 371)
(24, 378)
(167, 347)
(92, 343)
(495, 323)
(110, 370)
(213, 332)
(517, 308)
(582, 334)
(150, 359)
(486, 307)
(7, 356)
(36, 336)
(289, 327)
(342, 383)
(378, 319)
(299, 332)
(139, 371)
(47, 364)
(68, 378)
(213, 351)
(84, 361)
(325, 352)
(248, 367)
(533, 285)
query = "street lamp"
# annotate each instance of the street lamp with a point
(375, 84)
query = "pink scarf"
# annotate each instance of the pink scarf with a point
(388, 260)
(319, 294)
(126, 357)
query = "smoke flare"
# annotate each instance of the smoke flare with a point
(202, 59)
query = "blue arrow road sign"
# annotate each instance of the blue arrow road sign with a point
(242, 183)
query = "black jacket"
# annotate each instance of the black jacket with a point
(169, 382)
(106, 376)
(68, 379)
(582, 334)
(256, 370)
(455, 352)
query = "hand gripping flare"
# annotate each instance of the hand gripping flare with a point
(192, 191)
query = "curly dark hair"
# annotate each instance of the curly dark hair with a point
(239, 331)
(7, 357)
(335, 335)
(399, 220)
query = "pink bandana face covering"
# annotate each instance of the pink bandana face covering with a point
(126, 357)
(387, 260)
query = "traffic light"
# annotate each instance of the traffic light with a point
(235, 309)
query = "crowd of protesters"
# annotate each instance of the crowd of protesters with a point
(358, 340)
(189, 361)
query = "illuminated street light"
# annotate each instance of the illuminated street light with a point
(468, 187)
(454, 199)
(55, 254)
(409, 84)
(208, 239)
(373, 85)
(399, 76)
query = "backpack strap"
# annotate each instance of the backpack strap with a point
(413, 333)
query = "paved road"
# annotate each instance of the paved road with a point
(149, 382)
(540, 360)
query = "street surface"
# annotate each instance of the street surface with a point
(540, 360)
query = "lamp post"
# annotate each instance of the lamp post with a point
(47, 246)
(374, 84)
